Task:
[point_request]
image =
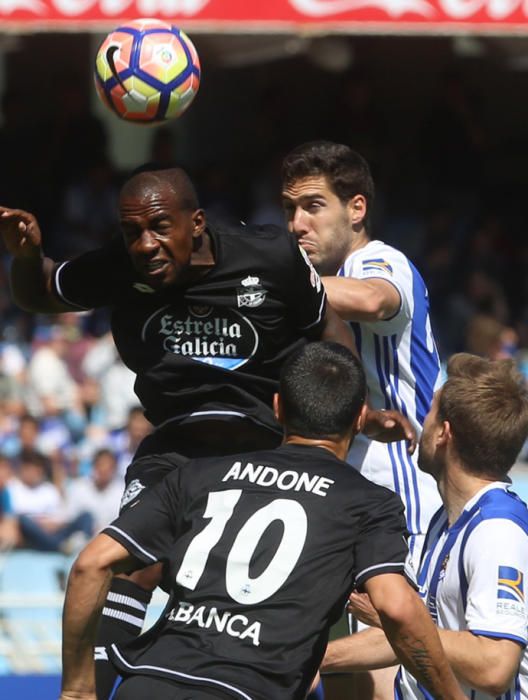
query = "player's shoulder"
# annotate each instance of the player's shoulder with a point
(502, 503)
(264, 241)
(376, 493)
(381, 253)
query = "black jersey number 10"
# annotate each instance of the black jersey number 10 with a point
(240, 586)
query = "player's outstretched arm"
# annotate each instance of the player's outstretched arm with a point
(484, 663)
(362, 299)
(412, 634)
(363, 651)
(31, 271)
(86, 593)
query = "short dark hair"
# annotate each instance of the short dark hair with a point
(150, 175)
(486, 404)
(347, 172)
(322, 390)
(37, 459)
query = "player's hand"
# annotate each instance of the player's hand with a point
(21, 233)
(360, 606)
(389, 426)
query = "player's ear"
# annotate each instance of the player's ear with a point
(198, 219)
(445, 434)
(277, 408)
(360, 420)
(357, 209)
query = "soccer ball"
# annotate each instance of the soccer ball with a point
(147, 71)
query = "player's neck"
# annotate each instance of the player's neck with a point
(202, 260)
(457, 487)
(360, 239)
(203, 255)
(337, 447)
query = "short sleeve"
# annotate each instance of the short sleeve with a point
(93, 279)
(381, 546)
(307, 297)
(390, 265)
(495, 563)
(149, 528)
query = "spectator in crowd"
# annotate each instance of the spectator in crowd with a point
(9, 531)
(52, 390)
(490, 338)
(98, 494)
(39, 506)
(103, 364)
(125, 442)
(9, 426)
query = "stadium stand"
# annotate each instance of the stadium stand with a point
(31, 597)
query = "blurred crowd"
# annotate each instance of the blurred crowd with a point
(69, 419)
(69, 425)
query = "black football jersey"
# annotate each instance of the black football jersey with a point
(213, 349)
(261, 551)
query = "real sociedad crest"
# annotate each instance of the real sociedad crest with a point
(251, 293)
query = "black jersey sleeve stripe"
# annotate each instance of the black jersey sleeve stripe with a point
(58, 288)
(129, 543)
(392, 567)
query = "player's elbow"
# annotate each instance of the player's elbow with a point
(90, 563)
(374, 305)
(496, 673)
(84, 565)
(401, 608)
(496, 679)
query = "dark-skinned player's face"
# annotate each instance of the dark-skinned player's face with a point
(159, 234)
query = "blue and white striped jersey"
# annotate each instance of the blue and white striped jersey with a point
(403, 371)
(473, 578)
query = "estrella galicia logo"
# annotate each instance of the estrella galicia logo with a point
(220, 337)
(510, 584)
(251, 293)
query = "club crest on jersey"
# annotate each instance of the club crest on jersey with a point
(134, 488)
(251, 293)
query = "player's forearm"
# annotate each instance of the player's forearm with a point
(486, 664)
(363, 651)
(30, 285)
(337, 331)
(413, 636)
(85, 598)
(356, 300)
